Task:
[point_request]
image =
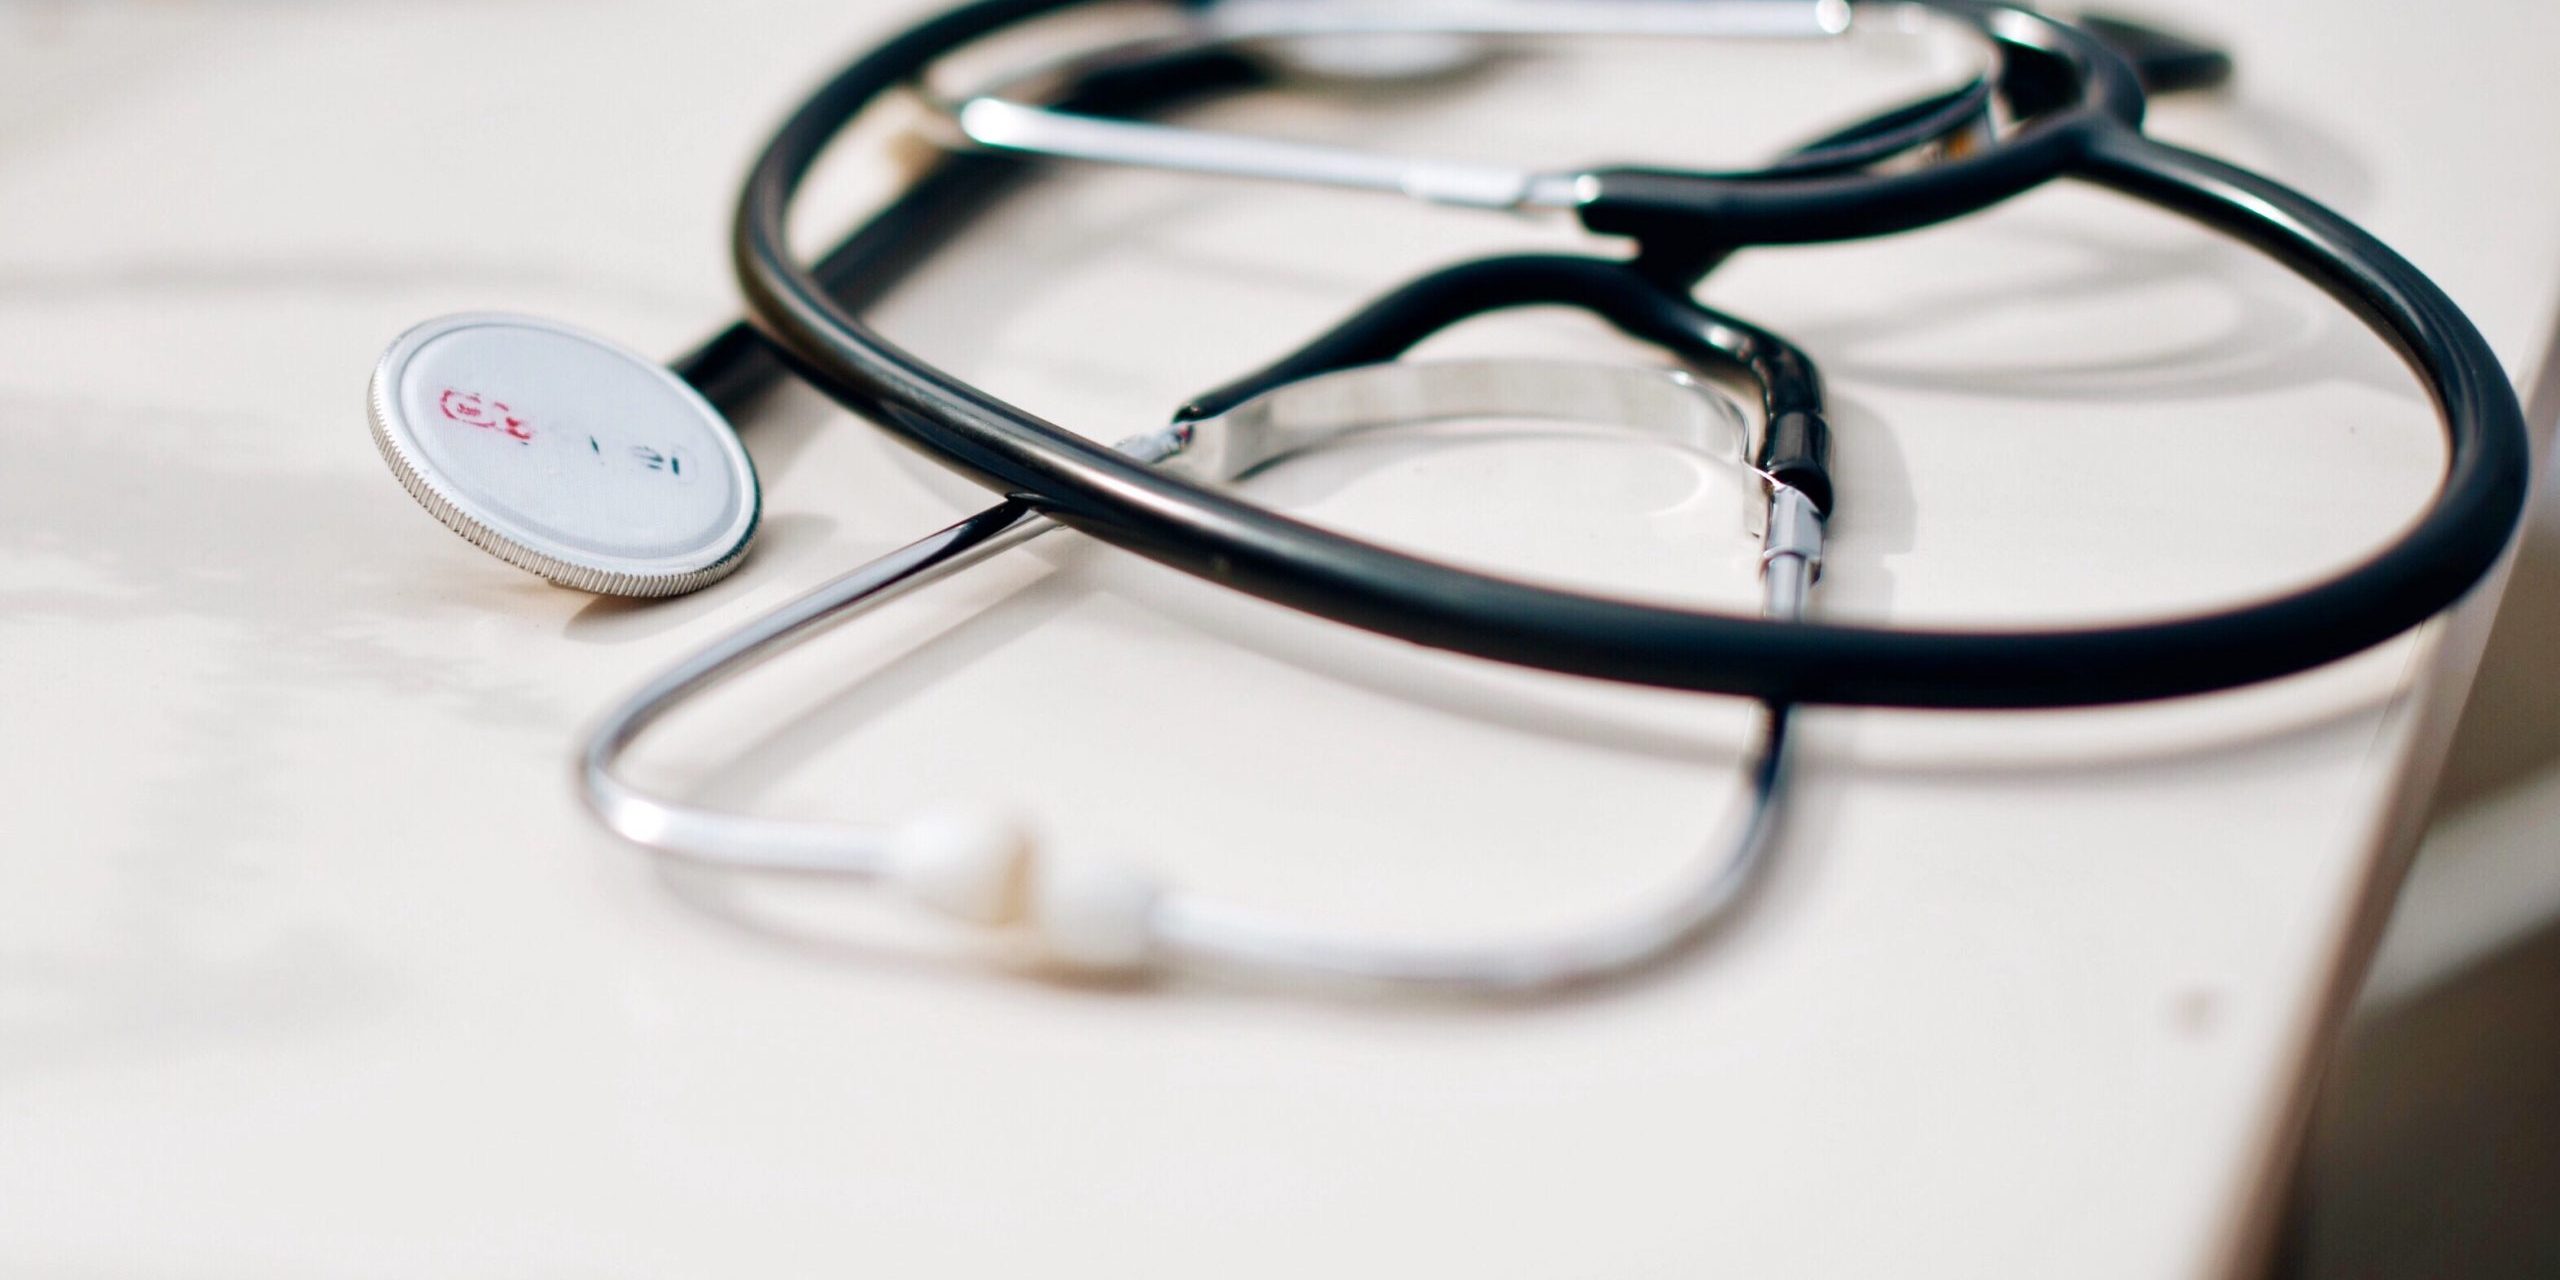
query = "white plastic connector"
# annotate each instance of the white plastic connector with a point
(971, 864)
(1094, 915)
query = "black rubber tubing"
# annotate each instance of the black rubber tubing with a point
(1795, 447)
(738, 364)
(1219, 537)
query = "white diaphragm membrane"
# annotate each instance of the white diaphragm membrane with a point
(565, 454)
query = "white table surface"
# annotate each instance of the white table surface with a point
(310, 966)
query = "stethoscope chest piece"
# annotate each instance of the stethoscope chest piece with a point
(564, 454)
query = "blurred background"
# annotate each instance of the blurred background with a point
(2435, 1149)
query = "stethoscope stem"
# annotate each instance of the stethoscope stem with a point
(1790, 553)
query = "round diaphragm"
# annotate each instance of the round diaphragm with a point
(565, 454)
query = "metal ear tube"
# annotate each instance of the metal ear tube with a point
(989, 870)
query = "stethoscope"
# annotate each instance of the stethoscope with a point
(461, 406)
